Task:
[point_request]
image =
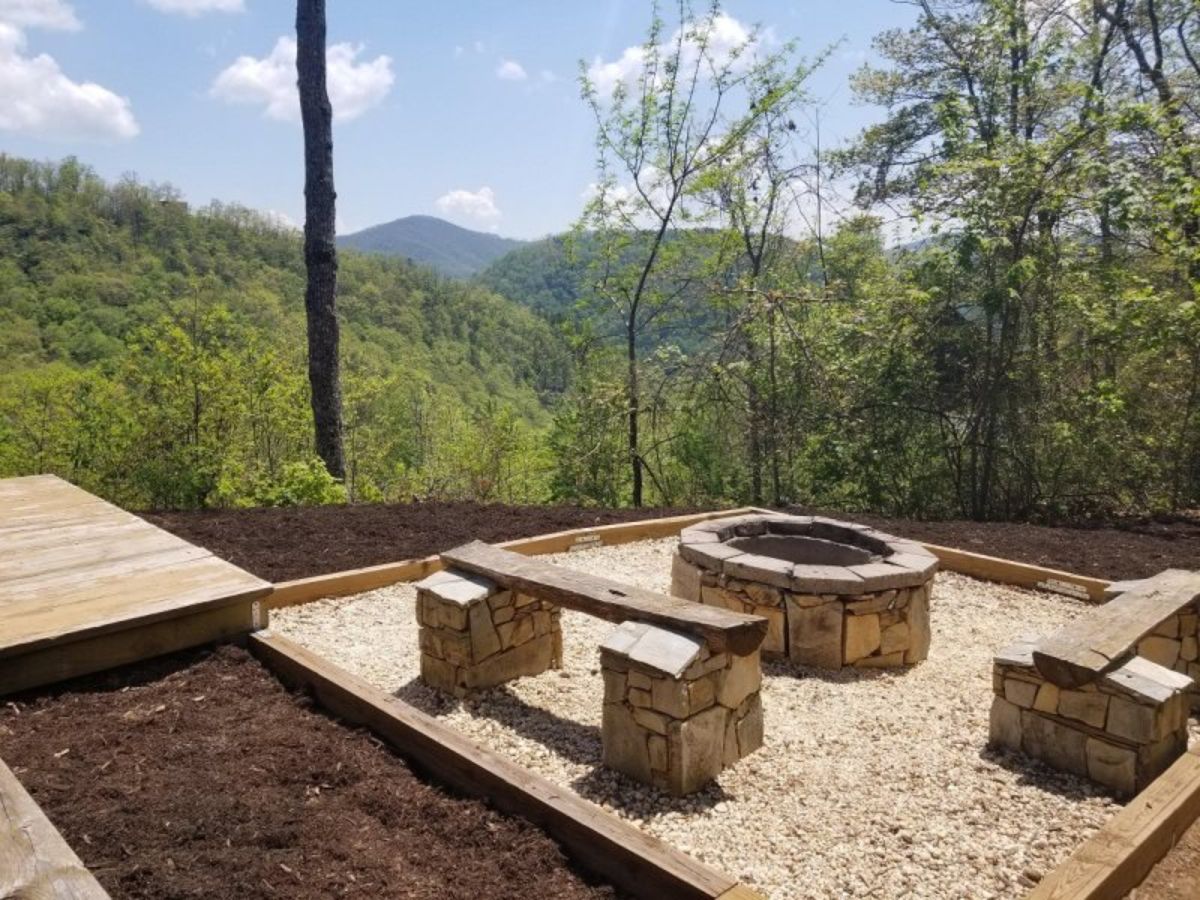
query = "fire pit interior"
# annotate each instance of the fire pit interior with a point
(835, 594)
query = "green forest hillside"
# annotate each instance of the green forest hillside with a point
(155, 354)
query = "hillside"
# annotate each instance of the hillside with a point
(156, 354)
(451, 250)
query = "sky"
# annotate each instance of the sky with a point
(464, 109)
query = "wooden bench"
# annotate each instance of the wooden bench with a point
(1106, 696)
(681, 680)
(1154, 618)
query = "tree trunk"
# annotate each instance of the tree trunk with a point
(320, 250)
(634, 399)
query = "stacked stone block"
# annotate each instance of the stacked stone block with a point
(676, 714)
(1122, 730)
(474, 636)
(871, 611)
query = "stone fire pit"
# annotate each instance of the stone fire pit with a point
(835, 594)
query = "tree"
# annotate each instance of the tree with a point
(320, 249)
(657, 137)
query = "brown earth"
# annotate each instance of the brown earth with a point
(280, 544)
(1177, 876)
(200, 776)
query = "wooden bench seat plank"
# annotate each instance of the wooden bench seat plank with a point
(1089, 647)
(608, 599)
(35, 861)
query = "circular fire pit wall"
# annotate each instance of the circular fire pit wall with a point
(835, 594)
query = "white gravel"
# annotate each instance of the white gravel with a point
(870, 784)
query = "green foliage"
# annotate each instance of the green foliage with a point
(155, 356)
(302, 483)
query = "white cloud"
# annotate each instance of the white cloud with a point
(479, 205)
(39, 14)
(724, 36)
(197, 7)
(354, 87)
(36, 98)
(511, 70)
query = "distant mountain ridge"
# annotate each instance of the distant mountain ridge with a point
(448, 248)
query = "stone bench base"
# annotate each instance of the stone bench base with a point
(475, 636)
(676, 715)
(1121, 731)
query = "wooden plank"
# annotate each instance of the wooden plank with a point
(741, 892)
(608, 599)
(60, 579)
(356, 581)
(1007, 571)
(1117, 858)
(598, 841)
(1082, 651)
(35, 861)
(104, 651)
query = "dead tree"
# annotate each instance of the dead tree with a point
(320, 249)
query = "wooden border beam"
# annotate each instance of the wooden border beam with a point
(598, 841)
(1118, 857)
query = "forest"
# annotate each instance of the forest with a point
(714, 329)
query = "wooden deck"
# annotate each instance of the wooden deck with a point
(85, 586)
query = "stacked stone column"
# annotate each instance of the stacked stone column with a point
(676, 714)
(1123, 730)
(475, 636)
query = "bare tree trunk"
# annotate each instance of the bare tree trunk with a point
(320, 250)
(634, 400)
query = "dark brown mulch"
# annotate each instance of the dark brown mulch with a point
(1132, 550)
(280, 544)
(199, 775)
(296, 542)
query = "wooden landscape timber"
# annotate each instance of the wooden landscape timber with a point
(35, 861)
(1121, 854)
(607, 599)
(596, 840)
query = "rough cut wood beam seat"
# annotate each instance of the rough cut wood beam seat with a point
(1154, 617)
(85, 586)
(607, 599)
(35, 861)
(681, 681)
(1106, 696)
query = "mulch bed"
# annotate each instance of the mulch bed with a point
(296, 542)
(200, 775)
(281, 544)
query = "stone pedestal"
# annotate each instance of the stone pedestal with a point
(1122, 731)
(675, 714)
(475, 636)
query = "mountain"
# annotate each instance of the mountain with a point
(451, 250)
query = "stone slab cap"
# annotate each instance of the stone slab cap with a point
(825, 579)
(457, 587)
(1018, 654)
(655, 648)
(767, 569)
(1117, 588)
(708, 556)
(883, 576)
(1147, 681)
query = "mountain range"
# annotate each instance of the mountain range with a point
(450, 249)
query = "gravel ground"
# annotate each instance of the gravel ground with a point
(871, 784)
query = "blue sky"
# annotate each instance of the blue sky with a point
(473, 103)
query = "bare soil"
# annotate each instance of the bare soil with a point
(1177, 876)
(281, 544)
(200, 776)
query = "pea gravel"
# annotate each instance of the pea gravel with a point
(871, 784)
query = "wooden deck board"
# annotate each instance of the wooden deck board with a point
(74, 568)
